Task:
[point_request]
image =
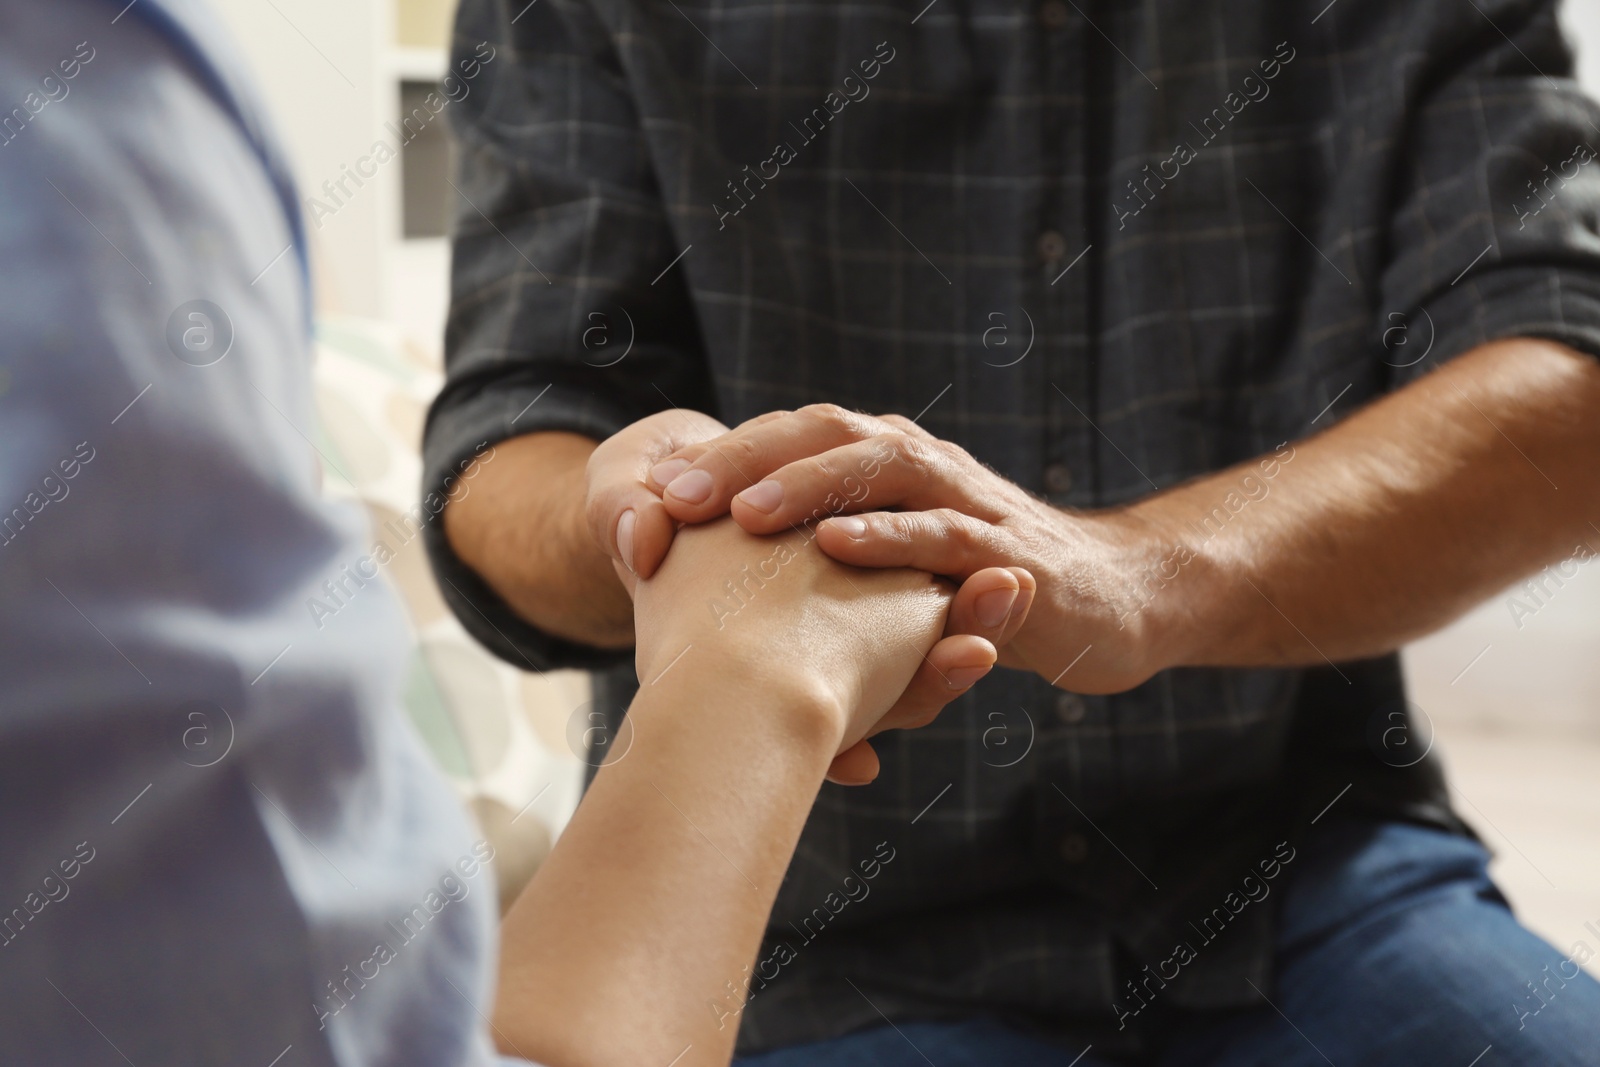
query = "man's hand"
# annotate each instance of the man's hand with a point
(534, 529)
(628, 519)
(624, 512)
(1344, 546)
(955, 517)
(776, 613)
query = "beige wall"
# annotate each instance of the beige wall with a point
(324, 71)
(424, 23)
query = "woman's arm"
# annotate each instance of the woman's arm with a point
(632, 944)
(621, 949)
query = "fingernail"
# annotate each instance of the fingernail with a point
(691, 487)
(663, 473)
(625, 526)
(763, 496)
(1024, 599)
(994, 607)
(964, 677)
(850, 526)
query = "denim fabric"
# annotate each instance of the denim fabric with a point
(1394, 949)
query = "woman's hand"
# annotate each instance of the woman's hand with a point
(761, 660)
(857, 649)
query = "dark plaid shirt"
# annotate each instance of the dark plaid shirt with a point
(1106, 247)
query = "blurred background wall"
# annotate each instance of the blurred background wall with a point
(1510, 694)
(340, 79)
(1513, 693)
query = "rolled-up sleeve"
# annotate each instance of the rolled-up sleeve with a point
(1495, 225)
(563, 317)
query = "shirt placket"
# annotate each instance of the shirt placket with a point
(1059, 256)
(1062, 274)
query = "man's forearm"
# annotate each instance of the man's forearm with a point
(1385, 527)
(524, 532)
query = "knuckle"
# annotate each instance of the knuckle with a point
(902, 526)
(689, 453)
(594, 522)
(600, 515)
(825, 474)
(599, 492)
(924, 457)
(743, 454)
(825, 414)
(954, 527)
(882, 448)
(764, 418)
(835, 420)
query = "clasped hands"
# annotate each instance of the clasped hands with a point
(1035, 587)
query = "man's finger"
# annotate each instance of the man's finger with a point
(951, 667)
(628, 521)
(643, 534)
(744, 457)
(892, 470)
(681, 460)
(629, 580)
(907, 426)
(856, 765)
(992, 604)
(942, 541)
(625, 518)
(987, 609)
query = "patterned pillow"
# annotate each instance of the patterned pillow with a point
(499, 733)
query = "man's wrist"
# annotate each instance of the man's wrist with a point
(523, 532)
(1167, 583)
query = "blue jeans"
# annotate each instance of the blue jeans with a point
(1394, 950)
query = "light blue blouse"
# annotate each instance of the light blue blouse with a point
(220, 840)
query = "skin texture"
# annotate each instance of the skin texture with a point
(525, 531)
(543, 529)
(695, 823)
(1376, 531)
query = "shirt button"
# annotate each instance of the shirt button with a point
(1070, 708)
(1057, 478)
(1052, 246)
(1053, 14)
(1074, 848)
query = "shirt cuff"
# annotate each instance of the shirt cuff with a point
(1555, 304)
(461, 426)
